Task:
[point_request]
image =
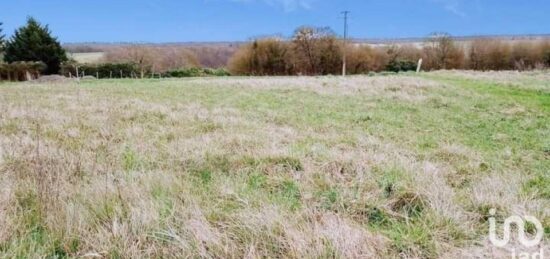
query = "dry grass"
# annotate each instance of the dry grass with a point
(88, 57)
(363, 167)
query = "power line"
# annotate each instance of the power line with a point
(344, 61)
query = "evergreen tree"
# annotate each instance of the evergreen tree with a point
(1, 39)
(34, 42)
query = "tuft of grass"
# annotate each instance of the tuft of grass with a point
(288, 193)
(539, 186)
(131, 160)
(269, 162)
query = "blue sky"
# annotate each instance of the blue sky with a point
(231, 20)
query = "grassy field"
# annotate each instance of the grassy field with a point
(87, 58)
(385, 166)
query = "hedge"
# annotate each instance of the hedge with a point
(196, 72)
(21, 71)
(131, 70)
(108, 70)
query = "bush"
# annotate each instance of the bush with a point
(524, 55)
(317, 51)
(21, 71)
(402, 58)
(312, 51)
(365, 59)
(191, 72)
(441, 52)
(217, 72)
(399, 65)
(262, 57)
(196, 72)
(487, 54)
(546, 58)
(543, 54)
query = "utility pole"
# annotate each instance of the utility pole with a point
(344, 61)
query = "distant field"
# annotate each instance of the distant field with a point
(92, 57)
(386, 166)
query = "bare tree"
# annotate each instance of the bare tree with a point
(315, 49)
(268, 56)
(442, 52)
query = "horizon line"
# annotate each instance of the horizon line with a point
(358, 40)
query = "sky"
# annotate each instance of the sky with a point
(157, 21)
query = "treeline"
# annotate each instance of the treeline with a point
(164, 58)
(312, 51)
(155, 59)
(81, 48)
(32, 50)
(318, 51)
(210, 55)
(501, 55)
(213, 55)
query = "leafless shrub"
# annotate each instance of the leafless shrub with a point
(442, 52)
(156, 59)
(262, 57)
(365, 59)
(486, 54)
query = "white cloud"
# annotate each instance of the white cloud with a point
(287, 5)
(452, 6)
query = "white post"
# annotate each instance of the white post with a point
(419, 66)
